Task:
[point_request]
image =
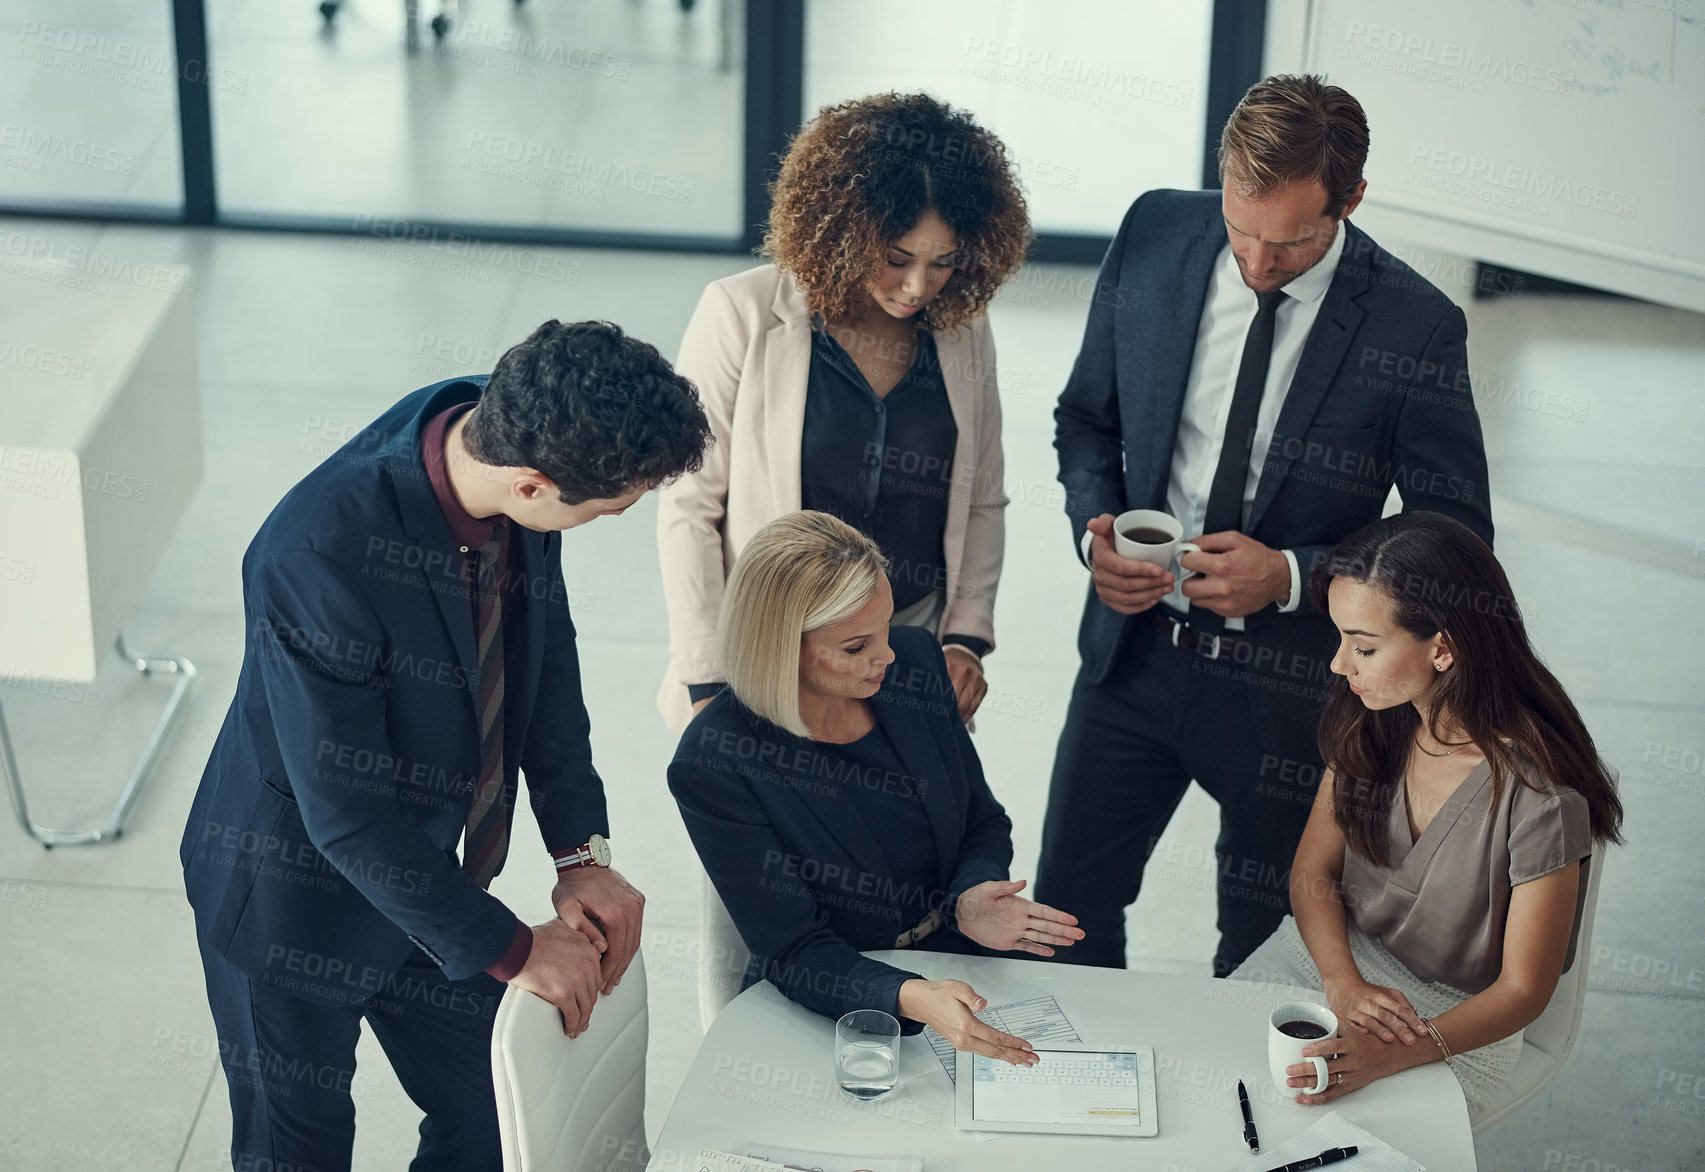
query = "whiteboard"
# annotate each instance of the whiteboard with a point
(1562, 137)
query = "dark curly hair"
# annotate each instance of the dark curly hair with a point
(861, 174)
(593, 409)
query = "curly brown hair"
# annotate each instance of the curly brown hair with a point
(860, 175)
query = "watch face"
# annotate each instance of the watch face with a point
(600, 848)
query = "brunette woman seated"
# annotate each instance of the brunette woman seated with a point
(1438, 888)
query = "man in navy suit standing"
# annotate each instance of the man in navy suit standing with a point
(408, 652)
(1257, 367)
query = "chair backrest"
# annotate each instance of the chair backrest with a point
(1553, 1031)
(572, 1104)
(722, 965)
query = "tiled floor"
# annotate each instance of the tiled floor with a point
(109, 1049)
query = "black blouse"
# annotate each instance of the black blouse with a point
(882, 465)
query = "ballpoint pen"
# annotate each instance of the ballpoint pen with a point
(1329, 1156)
(1249, 1136)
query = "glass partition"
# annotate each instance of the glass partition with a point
(1097, 100)
(608, 115)
(88, 103)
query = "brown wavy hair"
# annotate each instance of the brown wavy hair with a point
(860, 175)
(1439, 576)
(1289, 128)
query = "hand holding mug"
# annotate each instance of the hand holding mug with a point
(1235, 575)
(1352, 1061)
(1127, 585)
(1296, 1064)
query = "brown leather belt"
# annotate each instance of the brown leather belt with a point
(922, 929)
(1178, 633)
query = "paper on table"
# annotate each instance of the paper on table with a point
(798, 1158)
(711, 1160)
(1332, 1130)
(1035, 1019)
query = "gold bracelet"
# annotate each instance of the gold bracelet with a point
(1437, 1037)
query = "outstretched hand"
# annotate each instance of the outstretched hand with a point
(995, 916)
(950, 1008)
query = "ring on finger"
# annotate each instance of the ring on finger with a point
(1338, 1079)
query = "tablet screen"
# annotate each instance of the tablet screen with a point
(1080, 1088)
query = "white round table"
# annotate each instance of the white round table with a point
(765, 1074)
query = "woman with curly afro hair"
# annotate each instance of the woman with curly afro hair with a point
(855, 375)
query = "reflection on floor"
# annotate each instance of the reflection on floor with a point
(1601, 517)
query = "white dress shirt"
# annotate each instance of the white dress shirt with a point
(1227, 313)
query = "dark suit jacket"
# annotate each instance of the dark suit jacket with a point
(1381, 396)
(320, 848)
(801, 871)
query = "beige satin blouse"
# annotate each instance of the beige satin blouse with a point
(1442, 906)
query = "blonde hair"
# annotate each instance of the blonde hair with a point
(801, 572)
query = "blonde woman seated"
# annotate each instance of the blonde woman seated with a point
(1438, 886)
(835, 798)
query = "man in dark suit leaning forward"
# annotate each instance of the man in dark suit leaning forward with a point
(409, 649)
(1260, 369)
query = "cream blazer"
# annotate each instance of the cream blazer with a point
(748, 350)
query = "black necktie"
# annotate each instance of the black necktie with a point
(1225, 497)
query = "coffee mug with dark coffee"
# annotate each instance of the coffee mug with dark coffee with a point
(1290, 1027)
(1149, 535)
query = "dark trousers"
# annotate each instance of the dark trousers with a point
(290, 1065)
(1130, 747)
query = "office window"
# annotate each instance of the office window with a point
(598, 114)
(88, 103)
(1097, 100)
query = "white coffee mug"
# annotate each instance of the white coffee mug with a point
(1162, 554)
(1284, 1050)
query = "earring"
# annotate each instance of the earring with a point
(1441, 666)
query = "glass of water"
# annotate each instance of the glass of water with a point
(867, 1054)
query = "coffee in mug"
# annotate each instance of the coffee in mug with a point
(1149, 535)
(1290, 1027)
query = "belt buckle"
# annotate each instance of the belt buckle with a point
(1194, 648)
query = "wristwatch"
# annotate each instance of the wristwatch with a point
(594, 853)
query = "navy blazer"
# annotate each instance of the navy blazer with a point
(1380, 397)
(321, 846)
(801, 871)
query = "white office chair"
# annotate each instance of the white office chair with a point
(723, 963)
(1547, 1042)
(572, 1104)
